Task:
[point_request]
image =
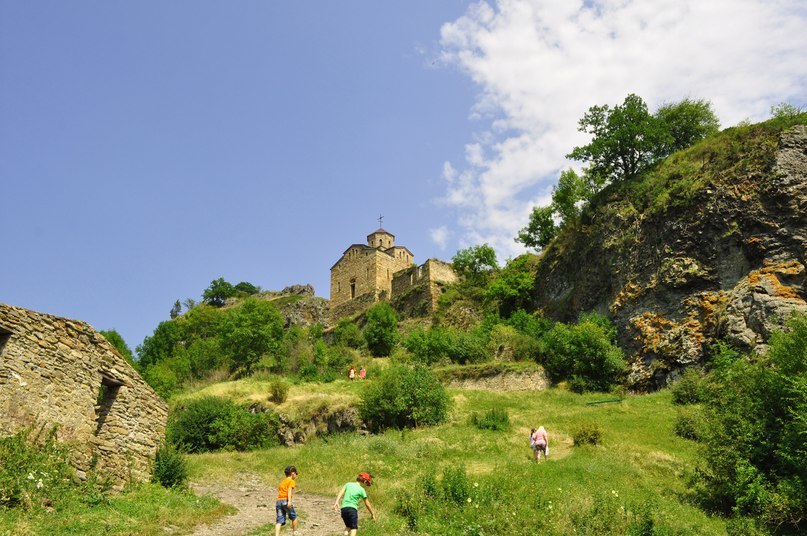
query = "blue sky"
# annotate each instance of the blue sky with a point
(147, 148)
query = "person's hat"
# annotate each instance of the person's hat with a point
(366, 477)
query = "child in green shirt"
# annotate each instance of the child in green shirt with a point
(348, 500)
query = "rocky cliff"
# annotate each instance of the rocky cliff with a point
(710, 245)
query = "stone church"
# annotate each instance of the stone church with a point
(381, 271)
(60, 372)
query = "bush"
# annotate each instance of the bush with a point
(496, 419)
(404, 397)
(278, 391)
(34, 469)
(347, 333)
(587, 433)
(689, 423)
(170, 468)
(754, 440)
(211, 423)
(428, 346)
(454, 487)
(690, 388)
(584, 352)
(381, 330)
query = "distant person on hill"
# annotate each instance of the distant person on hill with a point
(351, 373)
(348, 502)
(539, 441)
(362, 373)
(284, 506)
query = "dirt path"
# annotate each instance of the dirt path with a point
(255, 502)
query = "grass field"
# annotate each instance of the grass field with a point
(633, 482)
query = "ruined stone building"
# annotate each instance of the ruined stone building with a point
(382, 271)
(56, 371)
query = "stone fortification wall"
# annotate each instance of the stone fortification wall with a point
(415, 290)
(356, 306)
(56, 371)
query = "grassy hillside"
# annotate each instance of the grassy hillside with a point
(635, 479)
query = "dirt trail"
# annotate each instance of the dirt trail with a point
(255, 502)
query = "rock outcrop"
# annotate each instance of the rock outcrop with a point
(716, 251)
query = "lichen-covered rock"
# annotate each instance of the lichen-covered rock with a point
(720, 254)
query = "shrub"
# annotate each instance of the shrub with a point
(170, 467)
(467, 348)
(587, 433)
(404, 397)
(347, 333)
(754, 440)
(428, 346)
(496, 419)
(34, 468)
(690, 387)
(521, 347)
(278, 391)
(211, 423)
(689, 423)
(381, 330)
(454, 486)
(585, 351)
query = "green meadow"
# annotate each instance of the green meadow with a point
(458, 479)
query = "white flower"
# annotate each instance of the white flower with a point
(31, 476)
(469, 499)
(39, 484)
(476, 484)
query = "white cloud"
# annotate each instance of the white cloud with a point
(440, 236)
(540, 64)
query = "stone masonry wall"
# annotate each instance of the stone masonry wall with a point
(370, 269)
(415, 290)
(56, 371)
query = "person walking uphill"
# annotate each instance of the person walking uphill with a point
(539, 441)
(348, 501)
(284, 506)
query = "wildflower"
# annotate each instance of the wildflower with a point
(31, 476)
(476, 484)
(614, 493)
(39, 484)
(469, 499)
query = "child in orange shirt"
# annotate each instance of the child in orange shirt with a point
(284, 506)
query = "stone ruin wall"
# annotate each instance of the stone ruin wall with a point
(56, 371)
(415, 291)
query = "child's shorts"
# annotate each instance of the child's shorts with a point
(351, 517)
(282, 510)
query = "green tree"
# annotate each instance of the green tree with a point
(625, 139)
(475, 261)
(512, 285)
(246, 289)
(250, 332)
(685, 123)
(540, 230)
(175, 310)
(381, 330)
(218, 292)
(159, 346)
(785, 110)
(120, 345)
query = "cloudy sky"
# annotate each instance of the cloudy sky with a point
(147, 148)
